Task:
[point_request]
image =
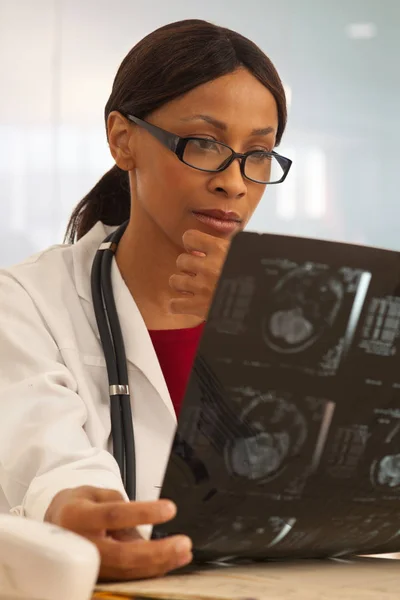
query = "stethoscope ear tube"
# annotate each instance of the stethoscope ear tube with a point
(114, 352)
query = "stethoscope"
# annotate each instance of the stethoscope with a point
(122, 432)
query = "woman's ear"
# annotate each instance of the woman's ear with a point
(120, 140)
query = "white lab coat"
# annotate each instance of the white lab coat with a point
(54, 404)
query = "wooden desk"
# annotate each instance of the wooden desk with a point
(358, 579)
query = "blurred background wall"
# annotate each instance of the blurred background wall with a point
(339, 61)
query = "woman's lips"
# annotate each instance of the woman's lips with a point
(220, 224)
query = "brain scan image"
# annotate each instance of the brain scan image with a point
(291, 326)
(386, 472)
(277, 431)
(302, 305)
(259, 456)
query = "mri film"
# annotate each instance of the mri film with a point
(288, 442)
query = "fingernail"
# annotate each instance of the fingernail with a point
(183, 545)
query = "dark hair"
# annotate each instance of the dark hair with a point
(165, 64)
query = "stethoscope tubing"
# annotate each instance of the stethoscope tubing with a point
(122, 430)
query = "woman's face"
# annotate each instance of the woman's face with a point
(235, 109)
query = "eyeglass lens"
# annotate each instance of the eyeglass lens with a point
(211, 156)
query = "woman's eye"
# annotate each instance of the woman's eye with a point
(260, 150)
(260, 157)
(206, 144)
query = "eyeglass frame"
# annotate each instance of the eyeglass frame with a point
(177, 145)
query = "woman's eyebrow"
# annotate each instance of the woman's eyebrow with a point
(223, 126)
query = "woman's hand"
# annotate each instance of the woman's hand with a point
(103, 517)
(199, 269)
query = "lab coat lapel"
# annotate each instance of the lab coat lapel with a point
(138, 345)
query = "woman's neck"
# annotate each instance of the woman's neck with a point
(146, 259)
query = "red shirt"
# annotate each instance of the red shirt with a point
(176, 351)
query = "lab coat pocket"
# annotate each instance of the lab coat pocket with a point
(92, 387)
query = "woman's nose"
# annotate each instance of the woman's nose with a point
(229, 182)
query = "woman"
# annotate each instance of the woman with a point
(197, 81)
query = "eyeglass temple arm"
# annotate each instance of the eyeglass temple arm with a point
(167, 139)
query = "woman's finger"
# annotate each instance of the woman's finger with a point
(125, 535)
(196, 240)
(189, 306)
(101, 494)
(84, 515)
(183, 283)
(142, 558)
(189, 263)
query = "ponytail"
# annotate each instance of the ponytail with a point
(108, 202)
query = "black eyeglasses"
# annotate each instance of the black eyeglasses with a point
(211, 156)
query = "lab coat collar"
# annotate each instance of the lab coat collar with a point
(138, 345)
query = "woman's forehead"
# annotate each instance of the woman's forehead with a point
(228, 99)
